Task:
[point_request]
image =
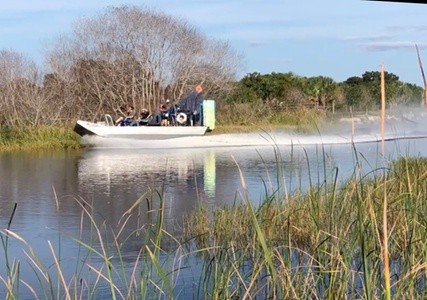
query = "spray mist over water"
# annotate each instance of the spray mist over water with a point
(400, 123)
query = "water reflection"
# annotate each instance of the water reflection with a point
(187, 178)
(115, 179)
(49, 185)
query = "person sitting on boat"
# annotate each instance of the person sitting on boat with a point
(172, 114)
(144, 117)
(164, 113)
(127, 118)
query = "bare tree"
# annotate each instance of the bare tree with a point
(128, 55)
(22, 100)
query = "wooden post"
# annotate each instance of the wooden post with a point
(352, 125)
(387, 288)
(382, 109)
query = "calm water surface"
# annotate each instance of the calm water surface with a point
(48, 186)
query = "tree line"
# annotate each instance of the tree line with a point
(132, 56)
(290, 91)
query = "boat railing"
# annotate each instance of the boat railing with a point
(109, 120)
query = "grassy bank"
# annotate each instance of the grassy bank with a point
(38, 138)
(250, 117)
(325, 243)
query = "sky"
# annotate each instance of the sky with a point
(333, 38)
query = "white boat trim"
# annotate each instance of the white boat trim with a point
(103, 129)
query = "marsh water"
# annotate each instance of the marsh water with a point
(51, 188)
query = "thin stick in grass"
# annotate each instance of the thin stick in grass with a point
(385, 231)
(60, 274)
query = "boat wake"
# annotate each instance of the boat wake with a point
(401, 124)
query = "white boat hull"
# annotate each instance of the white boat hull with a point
(138, 132)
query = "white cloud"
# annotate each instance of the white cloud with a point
(369, 37)
(389, 46)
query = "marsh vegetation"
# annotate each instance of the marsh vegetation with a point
(38, 138)
(321, 243)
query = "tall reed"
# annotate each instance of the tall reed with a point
(324, 244)
(101, 263)
(12, 270)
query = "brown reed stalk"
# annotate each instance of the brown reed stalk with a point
(385, 204)
(382, 109)
(422, 74)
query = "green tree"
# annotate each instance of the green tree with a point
(365, 92)
(320, 90)
(266, 87)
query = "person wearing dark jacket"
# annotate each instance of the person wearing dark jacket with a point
(127, 117)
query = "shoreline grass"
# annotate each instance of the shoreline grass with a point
(40, 138)
(334, 235)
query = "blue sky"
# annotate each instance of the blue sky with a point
(334, 38)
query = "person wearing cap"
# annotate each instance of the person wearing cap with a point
(164, 113)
